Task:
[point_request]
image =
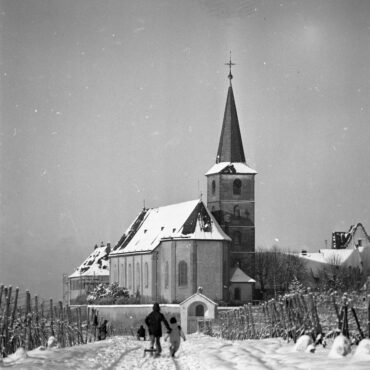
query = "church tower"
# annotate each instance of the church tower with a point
(230, 188)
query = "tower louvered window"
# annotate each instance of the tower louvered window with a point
(237, 187)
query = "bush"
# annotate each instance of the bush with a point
(108, 294)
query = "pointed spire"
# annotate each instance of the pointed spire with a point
(230, 148)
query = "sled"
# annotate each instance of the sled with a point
(153, 352)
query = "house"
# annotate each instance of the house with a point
(349, 249)
(355, 239)
(241, 286)
(93, 271)
(316, 262)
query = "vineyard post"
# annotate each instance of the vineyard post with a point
(56, 317)
(368, 316)
(28, 320)
(6, 318)
(251, 320)
(14, 310)
(80, 324)
(14, 307)
(1, 292)
(87, 323)
(61, 320)
(357, 322)
(51, 318)
(37, 329)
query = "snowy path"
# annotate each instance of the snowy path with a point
(198, 352)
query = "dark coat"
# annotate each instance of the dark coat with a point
(154, 322)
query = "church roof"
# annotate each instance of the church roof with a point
(239, 276)
(228, 167)
(230, 148)
(187, 220)
(94, 265)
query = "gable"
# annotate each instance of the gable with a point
(342, 240)
(96, 264)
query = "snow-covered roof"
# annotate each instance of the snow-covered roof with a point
(231, 167)
(187, 220)
(96, 264)
(341, 239)
(338, 257)
(239, 276)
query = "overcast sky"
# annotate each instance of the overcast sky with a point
(105, 104)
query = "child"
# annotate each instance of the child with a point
(103, 330)
(174, 335)
(154, 322)
(141, 333)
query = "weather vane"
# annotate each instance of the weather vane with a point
(230, 76)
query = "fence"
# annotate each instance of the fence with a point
(292, 315)
(28, 323)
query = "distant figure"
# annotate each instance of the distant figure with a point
(154, 322)
(141, 333)
(175, 336)
(102, 334)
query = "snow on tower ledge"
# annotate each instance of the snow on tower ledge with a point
(229, 167)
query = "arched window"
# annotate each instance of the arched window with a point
(129, 276)
(236, 211)
(213, 187)
(237, 187)
(183, 273)
(199, 310)
(237, 294)
(122, 277)
(237, 239)
(166, 273)
(137, 280)
(146, 274)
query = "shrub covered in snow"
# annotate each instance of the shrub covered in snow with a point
(108, 294)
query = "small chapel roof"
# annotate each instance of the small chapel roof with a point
(96, 264)
(187, 220)
(239, 276)
(229, 167)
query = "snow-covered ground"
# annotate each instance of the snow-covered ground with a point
(198, 352)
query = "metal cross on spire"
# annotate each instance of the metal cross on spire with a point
(230, 76)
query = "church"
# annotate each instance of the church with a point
(168, 252)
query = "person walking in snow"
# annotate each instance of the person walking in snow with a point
(140, 333)
(175, 336)
(154, 322)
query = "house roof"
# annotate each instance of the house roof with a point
(94, 265)
(329, 256)
(337, 257)
(230, 148)
(341, 239)
(229, 167)
(187, 220)
(239, 276)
